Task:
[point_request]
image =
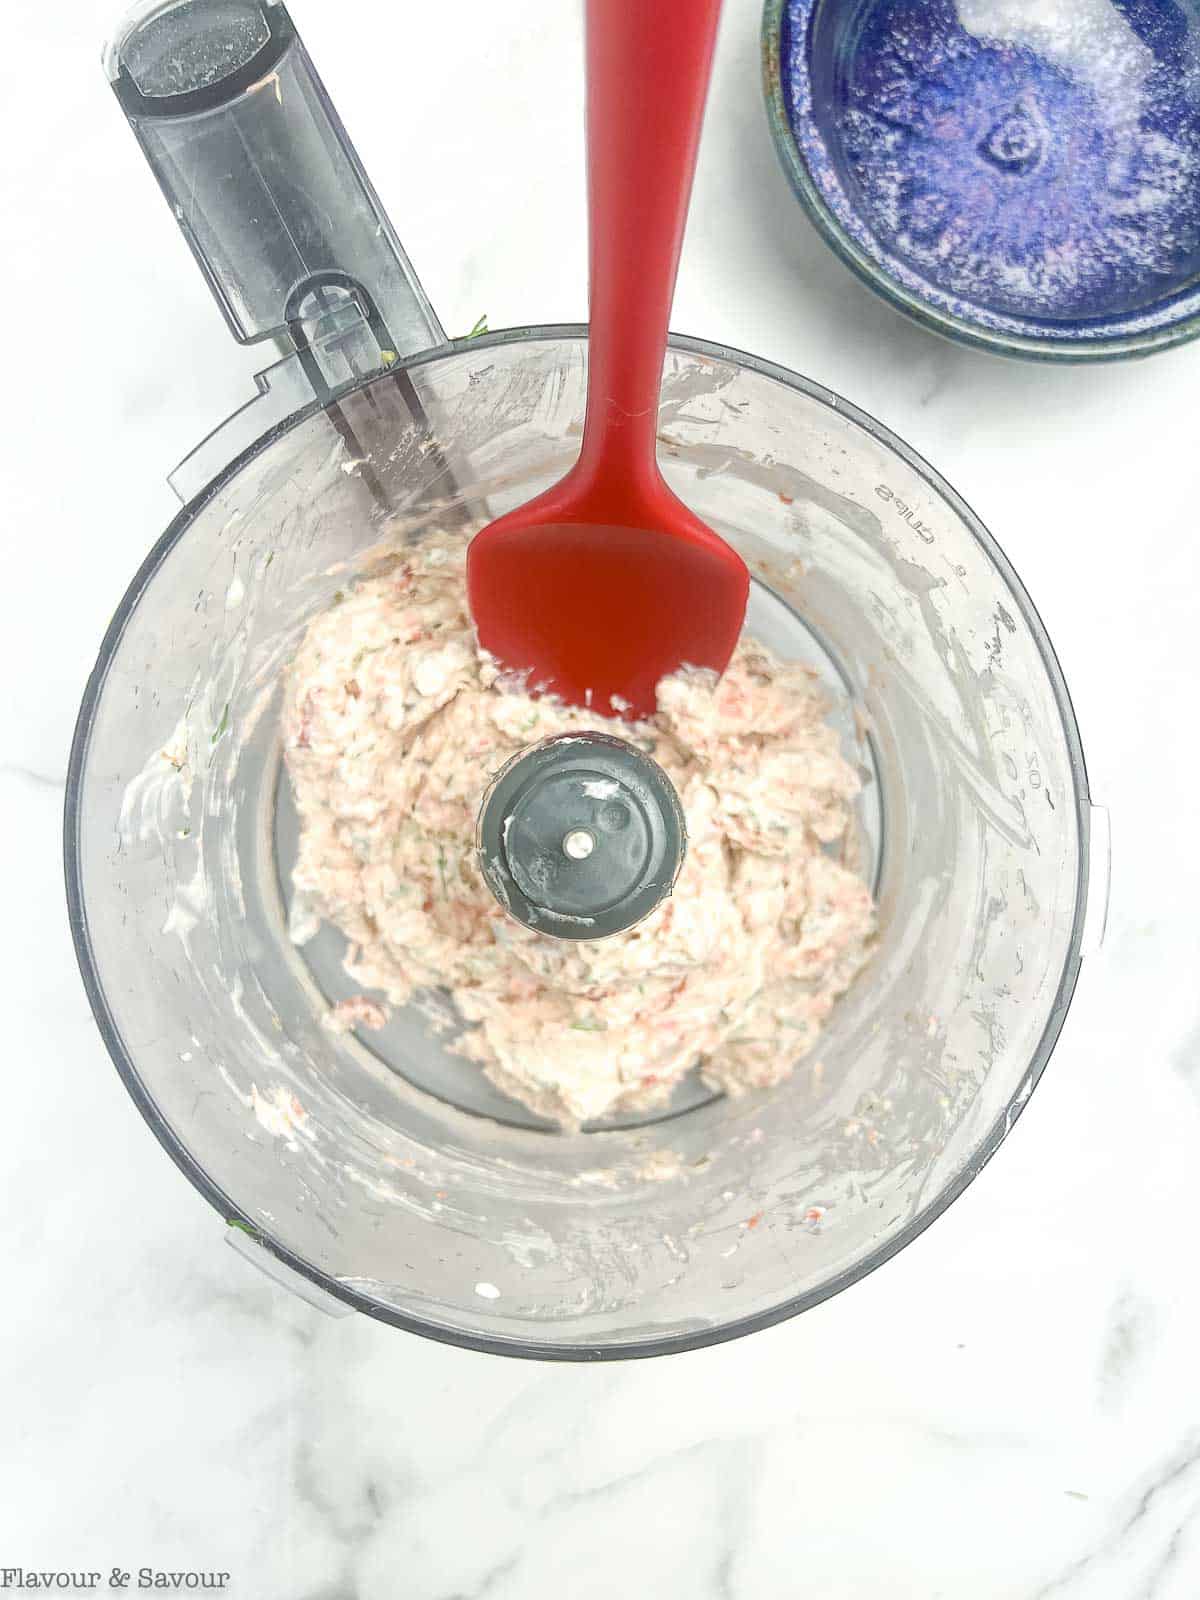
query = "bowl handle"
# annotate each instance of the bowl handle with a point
(263, 180)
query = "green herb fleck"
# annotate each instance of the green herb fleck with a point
(270, 558)
(442, 869)
(590, 1025)
(242, 1227)
(480, 327)
(222, 725)
(387, 357)
(339, 596)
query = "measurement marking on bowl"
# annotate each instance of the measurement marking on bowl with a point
(921, 529)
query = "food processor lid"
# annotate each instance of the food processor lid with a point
(581, 836)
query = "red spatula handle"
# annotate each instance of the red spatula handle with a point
(648, 66)
(606, 583)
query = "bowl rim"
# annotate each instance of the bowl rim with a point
(873, 272)
(227, 1207)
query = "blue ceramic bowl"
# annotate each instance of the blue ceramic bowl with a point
(1021, 175)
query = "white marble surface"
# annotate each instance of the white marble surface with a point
(1007, 1410)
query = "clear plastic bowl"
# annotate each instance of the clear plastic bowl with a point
(387, 1171)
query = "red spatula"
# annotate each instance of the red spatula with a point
(607, 582)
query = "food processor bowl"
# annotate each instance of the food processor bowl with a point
(383, 1169)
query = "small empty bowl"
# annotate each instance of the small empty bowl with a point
(1022, 175)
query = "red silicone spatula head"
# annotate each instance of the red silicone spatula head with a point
(607, 582)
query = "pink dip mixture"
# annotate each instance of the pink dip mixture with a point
(394, 723)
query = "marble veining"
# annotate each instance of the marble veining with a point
(1152, 1510)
